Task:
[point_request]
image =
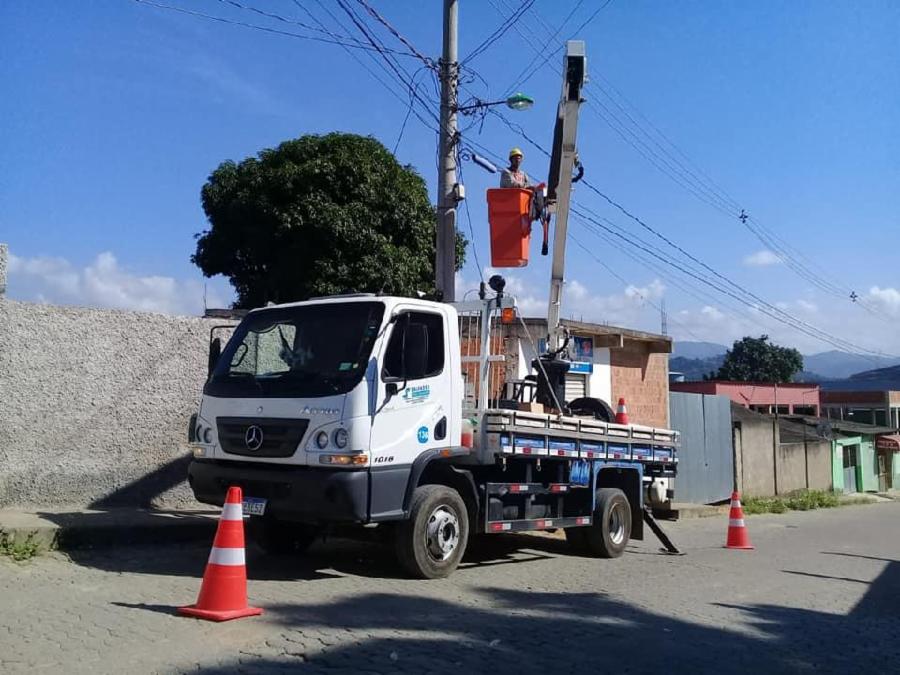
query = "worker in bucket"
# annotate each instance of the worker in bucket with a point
(513, 176)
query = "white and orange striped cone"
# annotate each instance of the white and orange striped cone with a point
(621, 412)
(737, 531)
(223, 593)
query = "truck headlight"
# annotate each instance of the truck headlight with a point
(322, 440)
(207, 435)
(341, 438)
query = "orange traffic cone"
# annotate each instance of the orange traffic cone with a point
(621, 412)
(737, 531)
(223, 593)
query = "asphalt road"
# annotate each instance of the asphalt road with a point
(821, 593)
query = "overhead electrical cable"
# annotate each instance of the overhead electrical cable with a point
(690, 178)
(501, 30)
(336, 39)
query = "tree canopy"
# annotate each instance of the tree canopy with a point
(319, 215)
(758, 360)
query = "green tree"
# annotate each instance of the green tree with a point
(319, 215)
(758, 360)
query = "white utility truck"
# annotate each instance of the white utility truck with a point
(353, 410)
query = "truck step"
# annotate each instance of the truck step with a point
(502, 489)
(499, 526)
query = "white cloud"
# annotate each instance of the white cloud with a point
(886, 299)
(762, 258)
(626, 308)
(104, 283)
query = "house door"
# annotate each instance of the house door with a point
(884, 470)
(850, 462)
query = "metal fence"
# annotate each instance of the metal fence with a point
(706, 451)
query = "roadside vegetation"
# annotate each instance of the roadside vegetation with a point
(801, 500)
(18, 550)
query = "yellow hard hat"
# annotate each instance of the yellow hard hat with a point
(514, 152)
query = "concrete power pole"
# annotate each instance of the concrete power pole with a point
(445, 264)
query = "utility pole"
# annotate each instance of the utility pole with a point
(445, 263)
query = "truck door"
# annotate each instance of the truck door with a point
(411, 411)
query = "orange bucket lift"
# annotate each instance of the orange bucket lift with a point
(509, 215)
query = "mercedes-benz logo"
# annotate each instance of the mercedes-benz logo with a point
(254, 437)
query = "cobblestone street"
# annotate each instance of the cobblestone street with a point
(819, 594)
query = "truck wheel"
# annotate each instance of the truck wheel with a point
(277, 537)
(608, 536)
(431, 543)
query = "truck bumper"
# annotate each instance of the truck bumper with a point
(299, 494)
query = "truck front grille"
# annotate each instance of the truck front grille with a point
(280, 437)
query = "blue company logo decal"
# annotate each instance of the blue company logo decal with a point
(423, 434)
(417, 394)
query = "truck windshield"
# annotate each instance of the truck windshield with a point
(303, 351)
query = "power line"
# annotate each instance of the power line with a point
(501, 30)
(378, 17)
(547, 42)
(337, 39)
(757, 303)
(740, 294)
(701, 186)
(628, 284)
(550, 55)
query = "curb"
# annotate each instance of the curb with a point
(49, 531)
(691, 511)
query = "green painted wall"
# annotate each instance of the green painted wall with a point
(896, 466)
(837, 466)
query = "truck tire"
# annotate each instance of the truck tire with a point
(432, 541)
(278, 537)
(608, 535)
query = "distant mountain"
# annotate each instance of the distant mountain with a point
(890, 373)
(839, 365)
(698, 350)
(696, 359)
(695, 369)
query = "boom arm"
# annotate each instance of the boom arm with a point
(563, 161)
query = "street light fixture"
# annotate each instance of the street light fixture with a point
(517, 101)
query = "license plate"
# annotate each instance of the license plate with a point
(254, 506)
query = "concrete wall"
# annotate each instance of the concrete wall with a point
(764, 466)
(791, 467)
(4, 257)
(819, 455)
(95, 405)
(754, 441)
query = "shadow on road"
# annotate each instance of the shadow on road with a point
(521, 631)
(366, 556)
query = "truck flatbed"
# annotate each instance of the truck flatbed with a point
(529, 434)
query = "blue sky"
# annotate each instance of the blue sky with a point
(115, 112)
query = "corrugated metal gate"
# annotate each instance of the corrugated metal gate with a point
(706, 450)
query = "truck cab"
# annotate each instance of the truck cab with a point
(321, 410)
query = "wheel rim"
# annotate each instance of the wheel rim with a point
(442, 533)
(616, 524)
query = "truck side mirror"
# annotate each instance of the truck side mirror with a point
(215, 351)
(391, 389)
